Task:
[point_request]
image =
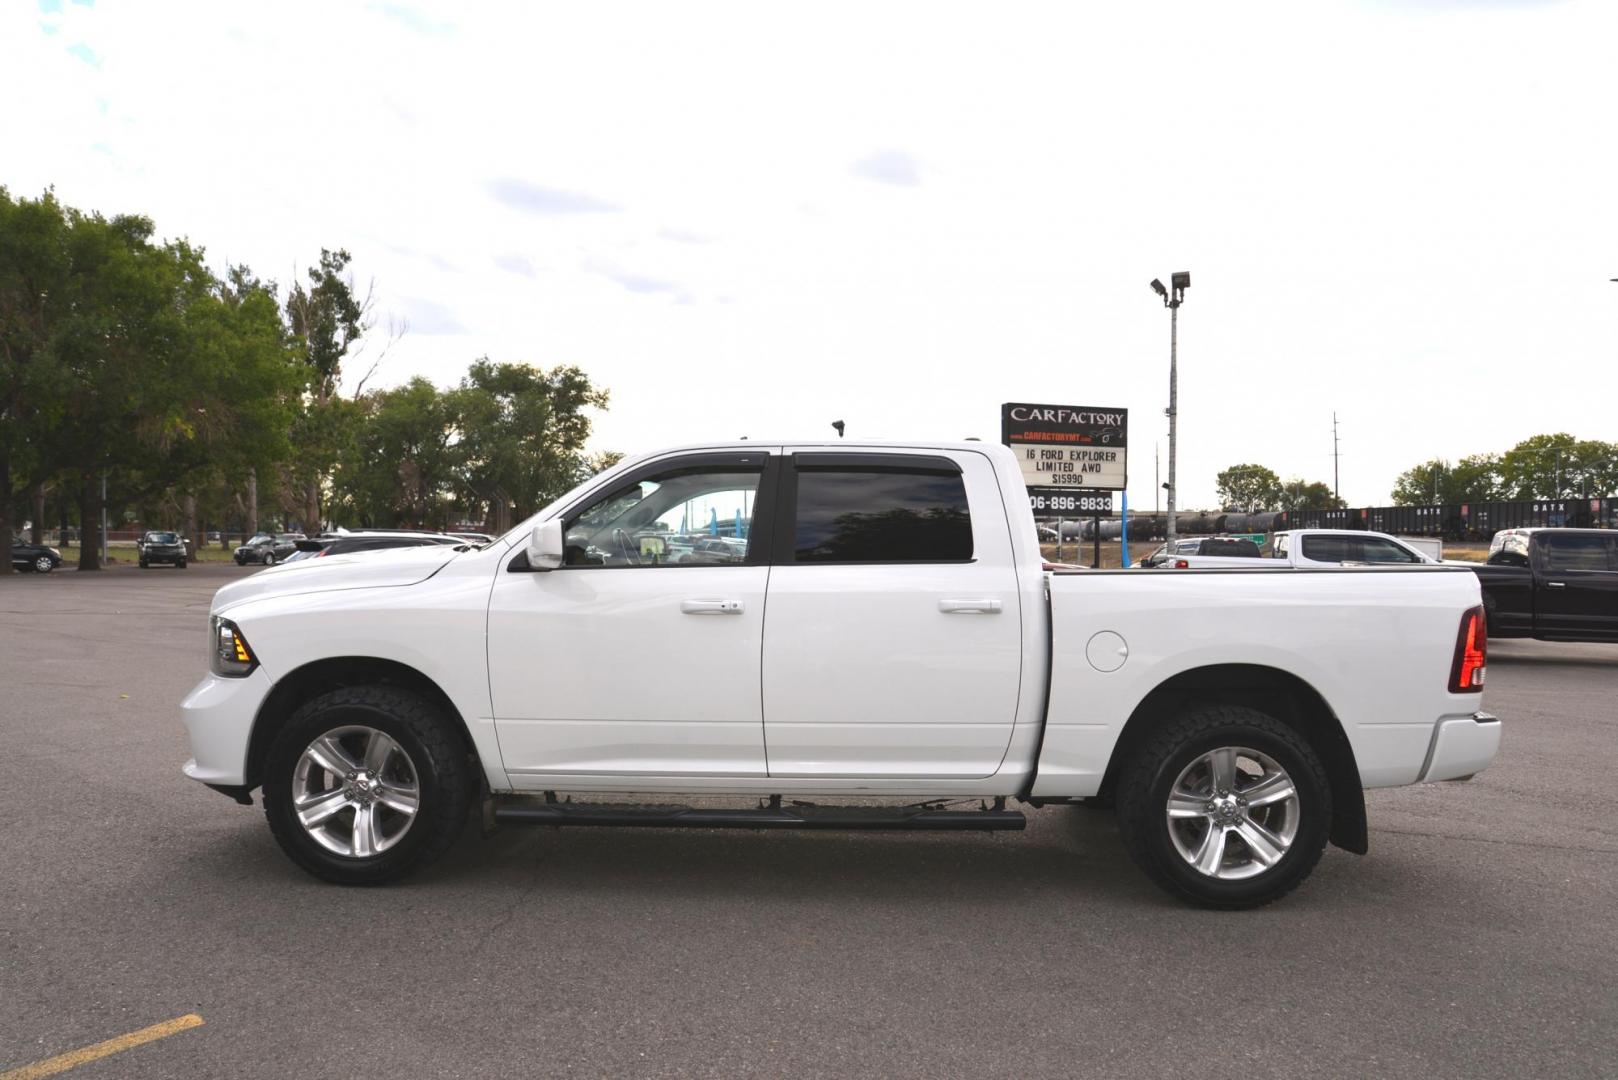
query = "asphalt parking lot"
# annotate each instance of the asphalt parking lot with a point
(1478, 937)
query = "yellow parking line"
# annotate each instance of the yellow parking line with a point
(75, 1058)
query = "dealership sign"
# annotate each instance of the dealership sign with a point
(1072, 457)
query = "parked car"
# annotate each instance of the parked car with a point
(914, 650)
(267, 549)
(1191, 551)
(480, 539)
(1303, 549)
(1552, 584)
(349, 542)
(1344, 547)
(161, 547)
(34, 557)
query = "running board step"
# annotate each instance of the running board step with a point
(526, 812)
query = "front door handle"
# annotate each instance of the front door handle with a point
(969, 607)
(1556, 584)
(711, 607)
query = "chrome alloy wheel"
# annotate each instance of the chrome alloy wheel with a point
(43, 564)
(1233, 813)
(355, 791)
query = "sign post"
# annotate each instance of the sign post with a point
(1073, 457)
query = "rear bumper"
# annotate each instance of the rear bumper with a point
(1462, 746)
(218, 715)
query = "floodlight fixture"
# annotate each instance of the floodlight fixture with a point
(1179, 282)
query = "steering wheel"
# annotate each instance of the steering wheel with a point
(631, 556)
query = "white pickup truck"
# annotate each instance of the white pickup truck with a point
(879, 630)
(1307, 549)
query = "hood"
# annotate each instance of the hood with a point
(357, 570)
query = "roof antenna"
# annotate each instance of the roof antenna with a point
(838, 424)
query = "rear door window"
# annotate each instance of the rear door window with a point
(1329, 549)
(1574, 552)
(880, 515)
(1378, 550)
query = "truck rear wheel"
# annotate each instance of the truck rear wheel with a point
(366, 783)
(1225, 806)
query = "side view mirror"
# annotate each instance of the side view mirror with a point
(545, 545)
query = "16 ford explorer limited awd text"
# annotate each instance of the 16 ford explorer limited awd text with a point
(798, 627)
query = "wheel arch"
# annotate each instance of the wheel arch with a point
(1278, 693)
(332, 673)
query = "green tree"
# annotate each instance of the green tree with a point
(1475, 478)
(34, 269)
(521, 437)
(326, 319)
(114, 338)
(1317, 495)
(1558, 466)
(1249, 487)
(400, 469)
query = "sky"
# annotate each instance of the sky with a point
(755, 219)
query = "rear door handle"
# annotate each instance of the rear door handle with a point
(711, 607)
(1556, 584)
(969, 607)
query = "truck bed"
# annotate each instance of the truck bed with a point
(1375, 644)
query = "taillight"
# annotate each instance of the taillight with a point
(1471, 654)
(1181, 564)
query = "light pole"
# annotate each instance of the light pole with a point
(1179, 282)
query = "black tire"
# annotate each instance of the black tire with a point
(442, 769)
(181, 564)
(44, 565)
(1151, 773)
(144, 565)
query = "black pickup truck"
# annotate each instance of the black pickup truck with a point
(1552, 584)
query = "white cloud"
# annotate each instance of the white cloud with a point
(1401, 214)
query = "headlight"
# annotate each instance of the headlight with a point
(53, 551)
(230, 655)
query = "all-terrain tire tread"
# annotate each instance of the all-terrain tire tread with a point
(1138, 815)
(444, 749)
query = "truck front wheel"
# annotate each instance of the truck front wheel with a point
(1225, 806)
(366, 783)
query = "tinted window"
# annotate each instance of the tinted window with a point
(1573, 552)
(1334, 549)
(1385, 551)
(868, 515)
(1234, 547)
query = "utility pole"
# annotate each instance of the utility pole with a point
(1336, 492)
(1180, 281)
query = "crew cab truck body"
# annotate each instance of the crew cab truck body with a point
(1552, 584)
(1307, 549)
(888, 633)
(1345, 547)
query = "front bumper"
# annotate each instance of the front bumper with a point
(1462, 746)
(218, 715)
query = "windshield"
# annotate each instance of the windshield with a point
(162, 538)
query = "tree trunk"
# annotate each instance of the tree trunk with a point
(5, 511)
(252, 505)
(89, 523)
(188, 504)
(37, 534)
(311, 508)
